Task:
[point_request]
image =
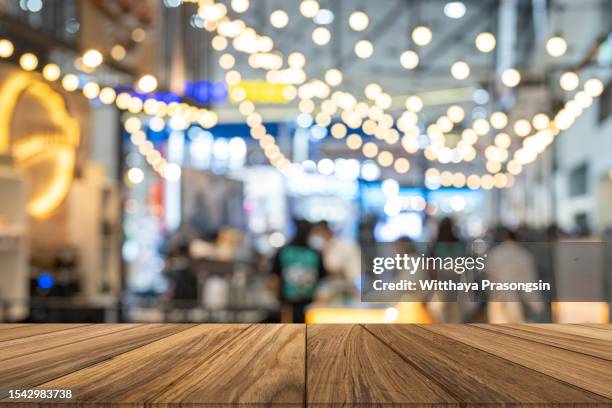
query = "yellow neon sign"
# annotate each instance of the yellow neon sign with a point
(57, 148)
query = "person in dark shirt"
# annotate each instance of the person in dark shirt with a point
(299, 269)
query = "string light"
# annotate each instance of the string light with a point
(333, 77)
(240, 6)
(279, 19)
(364, 49)
(569, 81)
(499, 120)
(321, 36)
(421, 35)
(358, 21)
(511, 77)
(309, 8)
(51, 72)
(92, 58)
(147, 83)
(556, 46)
(485, 42)
(6, 48)
(28, 61)
(409, 59)
(460, 70)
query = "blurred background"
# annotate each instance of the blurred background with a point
(234, 161)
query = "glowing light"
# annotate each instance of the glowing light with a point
(117, 52)
(460, 70)
(569, 81)
(279, 19)
(28, 61)
(556, 46)
(172, 172)
(309, 8)
(147, 83)
(385, 158)
(359, 21)
(326, 166)
(91, 90)
(503, 140)
(92, 58)
(540, 121)
(421, 35)
(522, 127)
(499, 120)
(594, 87)
(370, 149)
(456, 113)
(353, 141)
(219, 43)
(51, 72)
(6, 48)
(364, 49)
(333, 77)
(409, 59)
(321, 36)
(414, 103)
(56, 150)
(338, 130)
(227, 61)
(135, 175)
(240, 6)
(481, 126)
(372, 90)
(401, 165)
(511, 77)
(454, 9)
(485, 42)
(296, 60)
(70, 82)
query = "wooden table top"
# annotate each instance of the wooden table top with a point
(292, 364)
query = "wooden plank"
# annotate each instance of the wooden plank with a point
(30, 370)
(263, 365)
(576, 330)
(347, 365)
(473, 375)
(139, 375)
(580, 344)
(586, 372)
(4, 326)
(34, 330)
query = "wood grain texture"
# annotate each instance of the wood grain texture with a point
(347, 365)
(580, 344)
(586, 372)
(264, 364)
(172, 365)
(31, 370)
(27, 330)
(471, 375)
(140, 374)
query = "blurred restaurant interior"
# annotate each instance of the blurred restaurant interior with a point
(234, 160)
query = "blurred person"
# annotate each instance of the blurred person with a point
(447, 244)
(298, 269)
(509, 261)
(341, 258)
